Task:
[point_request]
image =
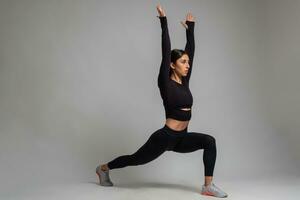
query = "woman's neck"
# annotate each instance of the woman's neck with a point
(176, 78)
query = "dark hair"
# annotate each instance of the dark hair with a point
(175, 55)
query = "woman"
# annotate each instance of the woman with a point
(173, 82)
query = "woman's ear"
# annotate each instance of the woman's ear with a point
(172, 65)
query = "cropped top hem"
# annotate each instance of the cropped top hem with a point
(177, 118)
(181, 115)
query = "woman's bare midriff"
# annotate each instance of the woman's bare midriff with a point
(177, 124)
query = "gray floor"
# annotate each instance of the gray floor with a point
(274, 188)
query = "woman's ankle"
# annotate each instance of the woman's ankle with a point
(208, 180)
(104, 167)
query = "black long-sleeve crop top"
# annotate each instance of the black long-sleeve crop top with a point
(175, 95)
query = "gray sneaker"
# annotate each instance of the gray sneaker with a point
(213, 190)
(103, 177)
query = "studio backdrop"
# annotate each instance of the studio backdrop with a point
(78, 87)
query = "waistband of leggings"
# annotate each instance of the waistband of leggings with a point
(172, 131)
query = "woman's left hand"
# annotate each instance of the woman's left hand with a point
(189, 17)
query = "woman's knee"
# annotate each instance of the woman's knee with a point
(140, 159)
(211, 141)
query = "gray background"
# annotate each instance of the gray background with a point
(78, 87)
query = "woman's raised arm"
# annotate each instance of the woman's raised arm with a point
(166, 48)
(190, 41)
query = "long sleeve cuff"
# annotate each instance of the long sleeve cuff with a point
(162, 17)
(191, 25)
(163, 21)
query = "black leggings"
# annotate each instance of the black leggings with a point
(167, 139)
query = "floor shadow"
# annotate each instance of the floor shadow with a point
(139, 185)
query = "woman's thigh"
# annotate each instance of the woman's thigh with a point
(193, 141)
(153, 147)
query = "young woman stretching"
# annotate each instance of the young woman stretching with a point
(173, 82)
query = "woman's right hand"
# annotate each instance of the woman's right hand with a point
(160, 11)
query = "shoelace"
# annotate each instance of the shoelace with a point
(214, 187)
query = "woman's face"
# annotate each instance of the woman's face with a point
(182, 65)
